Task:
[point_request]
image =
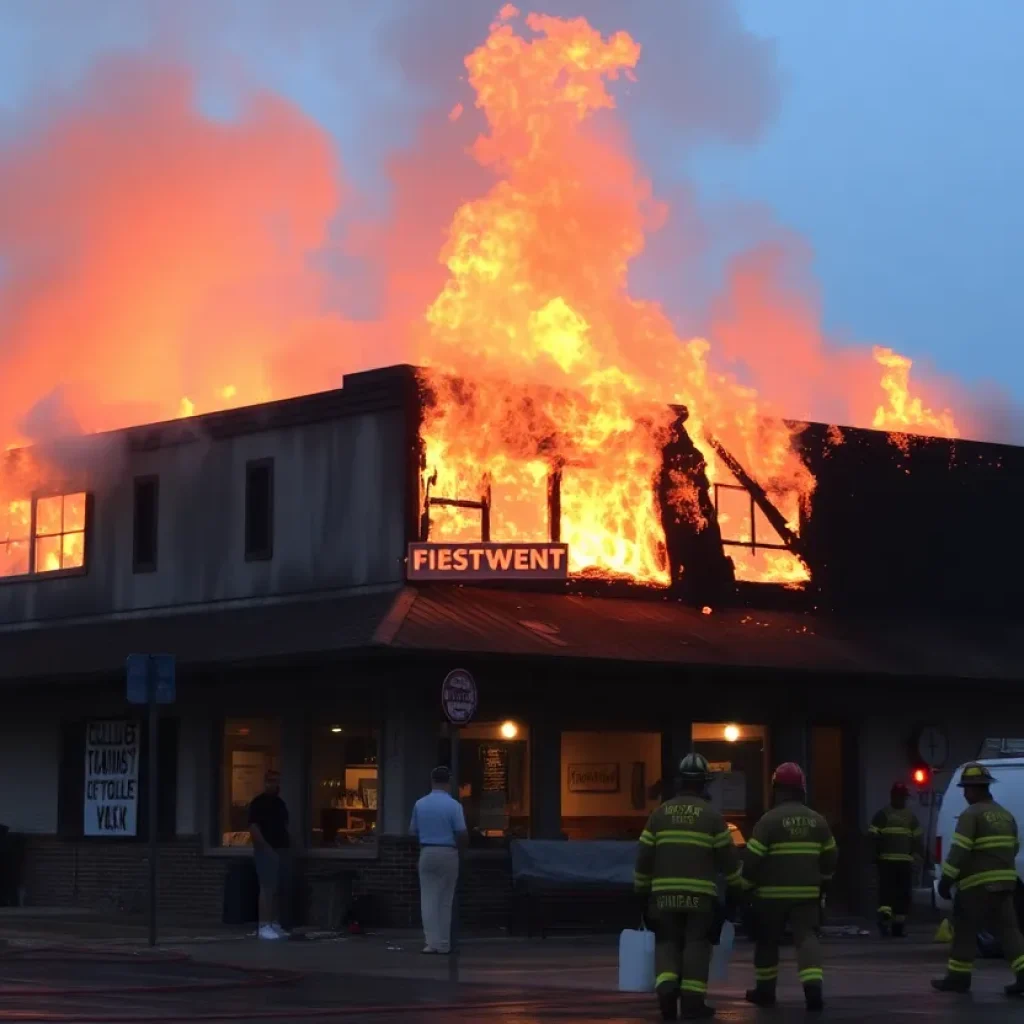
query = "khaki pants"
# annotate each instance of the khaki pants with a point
(977, 909)
(682, 951)
(439, 871)
(771, 917)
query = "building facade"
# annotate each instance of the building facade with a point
(266, 549)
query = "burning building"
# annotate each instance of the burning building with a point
(629, 548)
(267, 549)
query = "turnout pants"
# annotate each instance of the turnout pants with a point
(979, 909)
(682, 952)
(771, 917)
(439, 871)
(895, 881)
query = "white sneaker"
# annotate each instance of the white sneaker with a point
(267, 932)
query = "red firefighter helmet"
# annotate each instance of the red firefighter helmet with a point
(791, 775)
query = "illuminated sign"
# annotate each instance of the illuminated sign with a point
(488, 562)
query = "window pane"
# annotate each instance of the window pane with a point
(611, 781)
(344, 777)
(734, 513)
(48, 552)
(494, 780)
(14, 558)
(74, 513)
(49, 516)
(15, 520)
(73, 550)
(259, 510)
(252, 747)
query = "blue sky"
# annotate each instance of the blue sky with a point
(887, 133)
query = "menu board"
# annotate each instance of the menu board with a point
(495, 769)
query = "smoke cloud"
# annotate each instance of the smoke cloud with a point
(156, 258)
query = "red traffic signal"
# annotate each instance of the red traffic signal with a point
(920, 776)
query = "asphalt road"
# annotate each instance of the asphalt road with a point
(876, 984)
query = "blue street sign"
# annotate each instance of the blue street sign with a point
(141, 668)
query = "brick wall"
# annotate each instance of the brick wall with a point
(113, 877)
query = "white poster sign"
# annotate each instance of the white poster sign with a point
(111, 778)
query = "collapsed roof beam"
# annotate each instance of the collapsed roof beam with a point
(757, 492)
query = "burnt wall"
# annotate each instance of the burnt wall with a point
(926, 526)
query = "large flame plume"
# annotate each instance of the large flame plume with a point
(157, 263)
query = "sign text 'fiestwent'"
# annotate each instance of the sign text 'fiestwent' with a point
(488, 561)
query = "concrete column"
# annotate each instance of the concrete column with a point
(193, 759)
(545, 780)
(411, 734)
(295, 772)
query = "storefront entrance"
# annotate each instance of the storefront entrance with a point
(738, 755)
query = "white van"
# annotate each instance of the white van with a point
(1007, 790)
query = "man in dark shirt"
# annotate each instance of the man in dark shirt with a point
(268, 825)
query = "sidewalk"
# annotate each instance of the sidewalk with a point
(570, 963)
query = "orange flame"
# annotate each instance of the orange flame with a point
(542, 363)
(903, 412)
(541, 359)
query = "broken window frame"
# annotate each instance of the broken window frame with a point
(753, 545)
(484, 505)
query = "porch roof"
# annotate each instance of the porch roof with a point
(481, 621)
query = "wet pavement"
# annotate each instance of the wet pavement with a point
(384, 979)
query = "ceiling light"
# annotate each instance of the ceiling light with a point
(509, 730)
(732, 733)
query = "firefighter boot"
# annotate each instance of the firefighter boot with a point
(1017, 988)
(668, 1002)
(958, 982)
(762, 994)
(812, 997)
(884, 919)
(693, 1007)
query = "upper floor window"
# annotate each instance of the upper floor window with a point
(259, 510)
(145, 524)
(42, 535)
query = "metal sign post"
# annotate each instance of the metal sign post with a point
(459, 701)
(154, 719)
(453, 957)
(151, 681)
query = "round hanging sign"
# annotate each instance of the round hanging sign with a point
(458, 696)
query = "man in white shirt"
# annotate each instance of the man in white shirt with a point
(440, 826)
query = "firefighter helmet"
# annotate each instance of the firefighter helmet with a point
(695, 768)
(791, 775)
(975, 774)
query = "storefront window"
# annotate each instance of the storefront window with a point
(494, 780)
(609, 783)
(251, 748)
(738, 755)
(344, 777)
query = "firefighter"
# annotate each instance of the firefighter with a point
(684, 847)
(791, 855)
(982, 865)
(898, 840)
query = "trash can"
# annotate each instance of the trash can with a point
(241, 892)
